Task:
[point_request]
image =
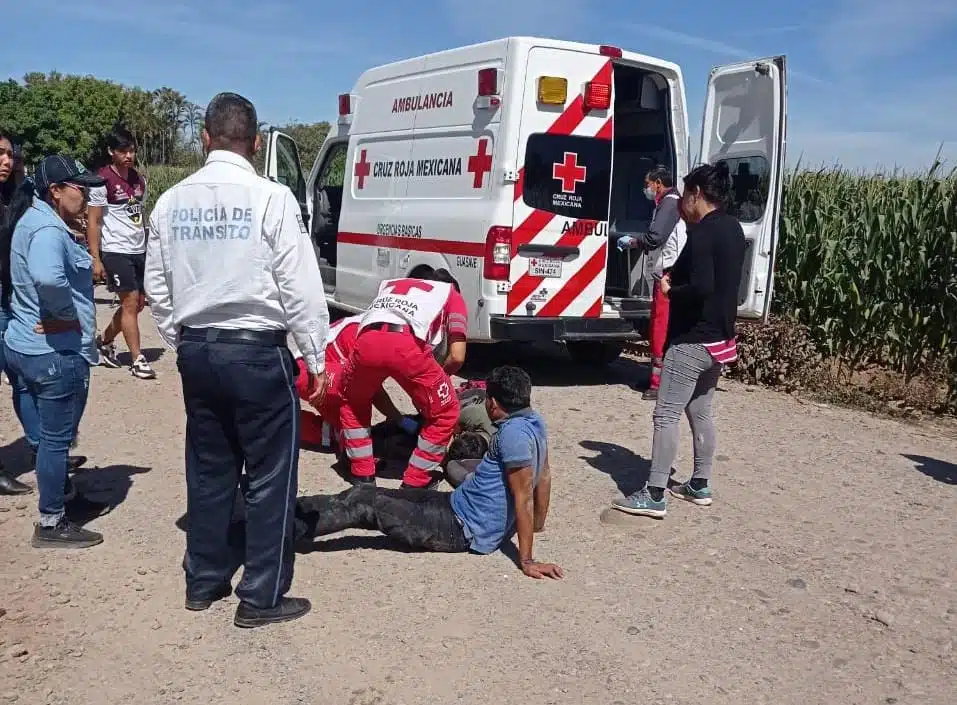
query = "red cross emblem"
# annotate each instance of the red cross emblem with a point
(569, 172)
(480, 163)
(404, 286)
(363, 169)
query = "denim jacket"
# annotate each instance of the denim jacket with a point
(52, 278)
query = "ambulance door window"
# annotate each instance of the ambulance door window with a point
(288, 170)
(568, 175)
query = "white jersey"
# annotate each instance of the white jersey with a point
(122, 228)
(228, 249)
(417, 303)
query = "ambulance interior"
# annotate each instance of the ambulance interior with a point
(643, 138)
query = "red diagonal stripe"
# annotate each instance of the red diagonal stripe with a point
(594, 311)
(607, 130)
(527, 283)
(582, 278)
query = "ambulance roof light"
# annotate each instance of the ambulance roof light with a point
(345, 104)
(487, 82)
(608, 50)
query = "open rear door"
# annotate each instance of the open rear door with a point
(283, 165)
(745, 125)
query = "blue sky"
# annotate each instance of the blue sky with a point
(873, 82)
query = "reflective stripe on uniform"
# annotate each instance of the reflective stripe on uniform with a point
(363, 451)
(356, 434)
(431, 448)
(425, 464)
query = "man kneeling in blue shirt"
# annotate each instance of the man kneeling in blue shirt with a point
(509, 492)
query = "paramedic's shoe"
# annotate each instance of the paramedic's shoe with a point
(358, 481)
(433, 483)
(650, 395)
(641, 504)
(141, 369)
(686, 492)
(107, 354)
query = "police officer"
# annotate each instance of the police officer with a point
(230, 271)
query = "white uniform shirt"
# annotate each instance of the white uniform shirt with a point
(229, 249)
(424, 306)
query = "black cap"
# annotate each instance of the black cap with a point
(59, 169)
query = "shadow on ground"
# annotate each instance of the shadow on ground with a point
(104, 489)
(626, 468)
(939, 470)
(550, 366)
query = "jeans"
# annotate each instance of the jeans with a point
(420, 519)
(23, 404)
(58, 385)
(242, 411)
(688, 381)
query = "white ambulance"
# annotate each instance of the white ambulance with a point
(516, 164)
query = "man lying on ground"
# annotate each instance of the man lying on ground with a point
(508, 492)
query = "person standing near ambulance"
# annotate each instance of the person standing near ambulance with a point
(664, 241)
(396, 338)
(230, 272)
(117, 242)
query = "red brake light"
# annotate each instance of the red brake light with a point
(597, 96)
(608, 50)
(345, 104)
(498, 253)
(487, 82)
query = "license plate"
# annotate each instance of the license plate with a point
(548, 267)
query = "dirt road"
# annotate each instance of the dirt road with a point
(825, 572)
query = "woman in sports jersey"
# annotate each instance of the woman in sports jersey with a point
(117, 242)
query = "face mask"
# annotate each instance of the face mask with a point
(650, 193)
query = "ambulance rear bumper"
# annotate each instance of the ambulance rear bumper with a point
(529, 329)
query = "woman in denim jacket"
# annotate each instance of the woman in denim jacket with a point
(49, 342)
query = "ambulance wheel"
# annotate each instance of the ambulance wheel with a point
(593, 354)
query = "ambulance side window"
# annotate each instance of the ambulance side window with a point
(567, 175)
(333, 169)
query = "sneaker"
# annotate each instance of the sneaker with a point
(141, 369)
(641, 504)
(686, 492)
(107, 354)
(64, 535)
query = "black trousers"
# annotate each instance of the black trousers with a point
(242, 410)
(420, 519)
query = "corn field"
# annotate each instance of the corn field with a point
(869, 263)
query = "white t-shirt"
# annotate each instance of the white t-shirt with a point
(123, 230)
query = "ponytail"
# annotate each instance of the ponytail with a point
(20, 202)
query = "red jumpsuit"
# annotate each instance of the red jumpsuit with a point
(339, 346)
(396, 339)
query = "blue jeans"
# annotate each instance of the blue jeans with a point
(23, 404)
(58, 385)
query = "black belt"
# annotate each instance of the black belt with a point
(268, 338)
(389, 328)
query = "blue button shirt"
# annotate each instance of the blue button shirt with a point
(484, 503)
(52, 277)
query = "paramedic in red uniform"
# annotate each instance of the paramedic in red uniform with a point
(663, 242)
(396, 338)
(339, 346)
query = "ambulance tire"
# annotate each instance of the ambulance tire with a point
(594, 354)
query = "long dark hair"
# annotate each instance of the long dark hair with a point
(9, 186)
(19, 203)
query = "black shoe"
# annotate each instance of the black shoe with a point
(650, 395)
(64, 535)
(288, 609)
(11, 487)
(433, 483)
(357, 481)
(198, 604)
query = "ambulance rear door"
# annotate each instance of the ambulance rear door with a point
(283, 165)
(745, 125)
(559, 243)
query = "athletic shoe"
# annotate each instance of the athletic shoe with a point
(642, 504)
(64, 535)
(107, 354)
(686, 492)
(141, 369)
